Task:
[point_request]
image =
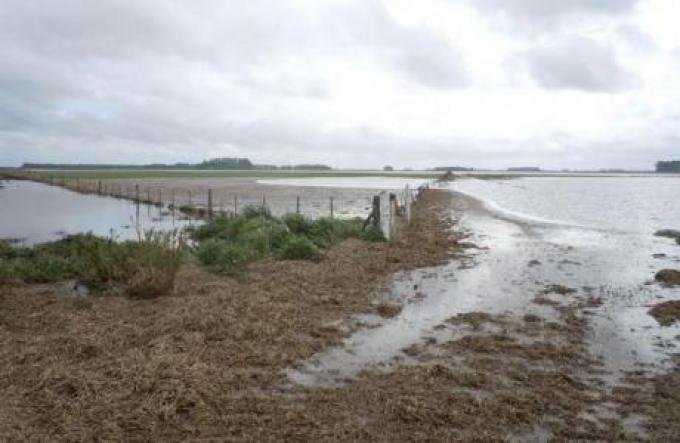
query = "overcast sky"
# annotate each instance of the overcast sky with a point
(350, 83)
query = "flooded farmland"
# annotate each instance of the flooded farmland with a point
(35, 213)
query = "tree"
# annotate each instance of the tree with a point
(668, 166)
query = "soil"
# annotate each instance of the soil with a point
(666, 313)
(656, 397)
(668, 277)
(207, 361)
(668, 233)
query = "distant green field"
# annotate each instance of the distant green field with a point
(155, 173)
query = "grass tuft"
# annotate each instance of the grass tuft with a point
(146, 268)
(227, 243)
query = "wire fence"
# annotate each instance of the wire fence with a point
(384, 210)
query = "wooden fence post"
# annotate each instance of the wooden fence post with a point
(407, 204)
(235, 204)
(297, 204)
(99, 187)
(137, 193)
(210, 203)
(332, 209)
(376, 211)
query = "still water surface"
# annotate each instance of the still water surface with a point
(36, 212)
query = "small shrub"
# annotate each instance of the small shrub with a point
(221, 227)
(372, 234)
(256, 212)
(297, 223)
(44, 269)
(297, 247)
(325, 232)
(152, 263)
(223, 255)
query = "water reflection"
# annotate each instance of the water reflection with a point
(36, 213)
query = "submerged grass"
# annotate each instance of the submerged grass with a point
(226, 243)
(146, 268)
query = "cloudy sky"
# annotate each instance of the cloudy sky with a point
(350, 83)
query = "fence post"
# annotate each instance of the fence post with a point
(264, 201)
(297, 204)
(376, 211)
(210, 203)
(332, 211)
(160, 196)
(407, 203)
(189, 191)
(148, 196)
(173, 198)
(235, 204)
(392, 210)
(137, 193)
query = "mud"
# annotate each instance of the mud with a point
(668, 277)
(666, 313)
(205, 362)
(668, 233)
(652, 400)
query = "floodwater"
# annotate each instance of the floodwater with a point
(592, 234)
(35, 213)
(376, 183)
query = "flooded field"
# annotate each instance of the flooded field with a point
(592, 239)
(35, 213)
(351, 195)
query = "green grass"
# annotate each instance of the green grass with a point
(164, 173)
(146, 268)
(227, 243)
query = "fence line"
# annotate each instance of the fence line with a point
(387, 209)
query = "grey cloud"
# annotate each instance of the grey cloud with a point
(547, 11)
(578, 63)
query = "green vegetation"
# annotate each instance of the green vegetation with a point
(170, 173)
(146, 268)
(226, 243)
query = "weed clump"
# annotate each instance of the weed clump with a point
(227, 243)
(146, 268)
(298, 247)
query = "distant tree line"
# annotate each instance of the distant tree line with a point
(222, 163)
(452, 168)
(669, 166)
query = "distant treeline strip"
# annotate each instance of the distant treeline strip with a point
(669, 166)
(225, 163)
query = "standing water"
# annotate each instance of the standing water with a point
(35, 212)
(595, 235)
